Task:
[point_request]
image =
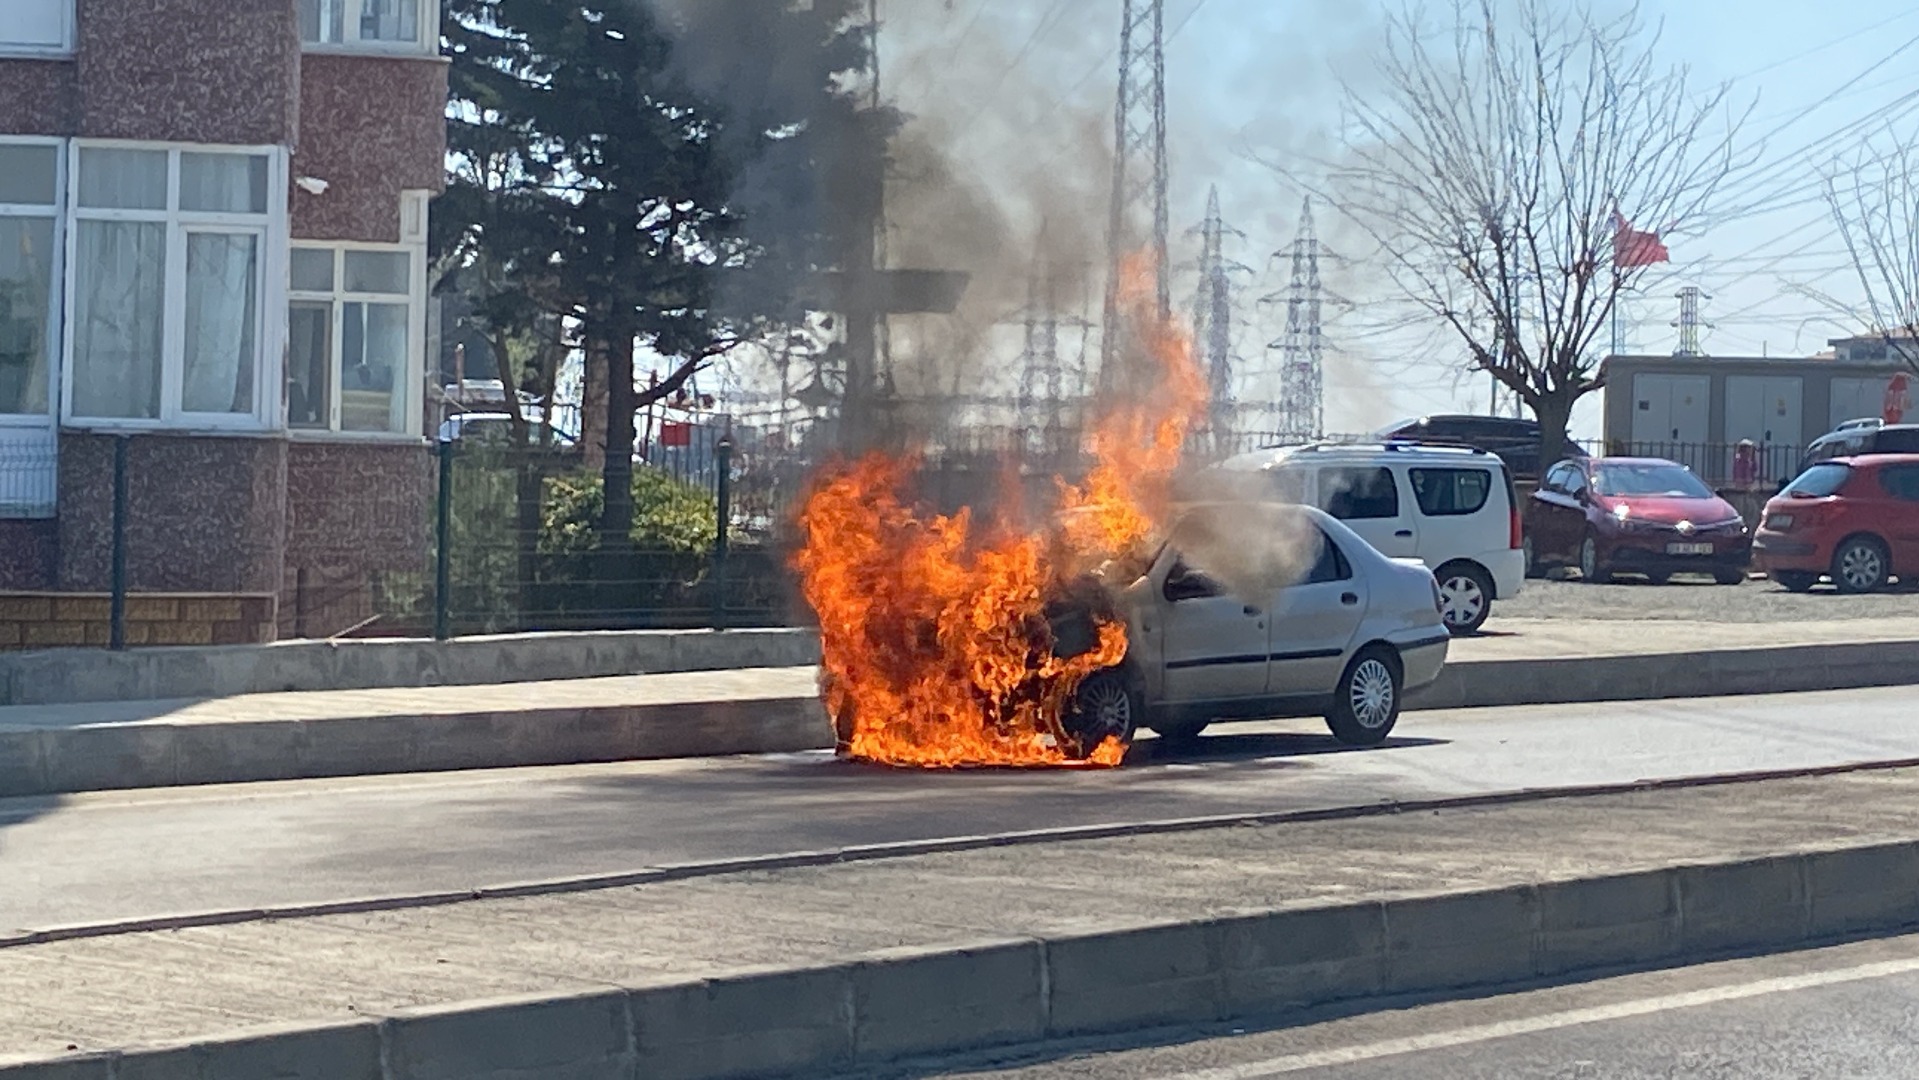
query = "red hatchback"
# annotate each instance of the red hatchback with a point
(1634, 515)
(1853, 519)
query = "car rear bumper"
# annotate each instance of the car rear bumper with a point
(1423, 657)
(1508, 569)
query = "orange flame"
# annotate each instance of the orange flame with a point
(937, 651)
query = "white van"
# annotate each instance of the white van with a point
(1452, 508)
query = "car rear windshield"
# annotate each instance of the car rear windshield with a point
(1821, 480)
(1648, 480)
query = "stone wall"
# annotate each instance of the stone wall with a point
(29, 554)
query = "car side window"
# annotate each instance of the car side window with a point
(1331, 564)
(1898, 441)
(1557, 478)
(1901, 482)
(1355, 493)
(1451, 492)
(1185, 583)
(1575, 480)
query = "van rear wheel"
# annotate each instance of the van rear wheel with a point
(1366, 704)
(1465, 596)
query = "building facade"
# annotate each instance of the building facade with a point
(213, 241)
(1696, 409)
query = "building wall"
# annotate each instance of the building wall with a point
(29, 554)
(358, 515)
(204, 514)
(371, 127)
(1815, 377)
(39, 97)
(210, 71)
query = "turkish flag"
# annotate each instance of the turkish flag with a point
(675, 433)
(1631, 248)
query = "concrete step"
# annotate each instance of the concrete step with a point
(51, 749)
(827, 969)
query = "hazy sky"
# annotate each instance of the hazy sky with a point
(1019, 92)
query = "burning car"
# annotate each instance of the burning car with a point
(1242, 612)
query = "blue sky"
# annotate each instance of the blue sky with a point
(1015, 88)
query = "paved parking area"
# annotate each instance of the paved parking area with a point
(1697, 600)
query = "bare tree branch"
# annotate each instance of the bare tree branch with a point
(1876, 206)
(1489, 171)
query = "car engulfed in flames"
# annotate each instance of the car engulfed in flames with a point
(948, 640)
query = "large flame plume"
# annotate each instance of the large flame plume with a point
(937, 648)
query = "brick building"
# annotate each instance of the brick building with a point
(212, 239)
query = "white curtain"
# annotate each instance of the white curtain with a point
(26, 286)
(123, 179)
(222, 317)
(223, 183)
(389, 20)
(322, 21)
(373, 367)
(120, 295)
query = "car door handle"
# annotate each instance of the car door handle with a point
(1349, 599)
(1249, 610)
(1403, 533)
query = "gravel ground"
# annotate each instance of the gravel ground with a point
(1696, 599)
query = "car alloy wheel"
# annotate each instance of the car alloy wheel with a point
(1104, 707)
(1373, 694)
(1860, 566)
(1366, 704)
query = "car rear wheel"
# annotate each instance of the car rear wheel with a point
(1861, 565)
(1534, 570)
(1465, 597)
(1729, 577)
(1795, 580)
(1591, 570)
(1366, 705)
(1105, 706)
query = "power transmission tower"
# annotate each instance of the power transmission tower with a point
(1689, 323)
(1041, 389)
(1302, 401)
(1213, 321)
(1138, 214)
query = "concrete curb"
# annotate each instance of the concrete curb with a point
(882, 1007)
(71, 676)
(1651, 676)
(51, 761)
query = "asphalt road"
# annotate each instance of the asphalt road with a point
(1696, 599)
(114, 856)
(1851, 1011)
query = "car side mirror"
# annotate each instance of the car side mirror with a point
(1583, 497)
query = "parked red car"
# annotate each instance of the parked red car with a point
(1855, 519)
(1634, 515)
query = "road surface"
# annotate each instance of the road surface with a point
(1840, 1012)
(118, 856)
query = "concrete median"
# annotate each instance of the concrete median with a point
(59, 749)
(880, 1007)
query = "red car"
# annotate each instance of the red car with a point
(1634, 515)
(1855, 519)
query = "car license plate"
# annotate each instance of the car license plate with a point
(1689, 549)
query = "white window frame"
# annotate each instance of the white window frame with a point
(270, 330)
(56, 305)
(68, 28)
(407, 384)
(428, 45)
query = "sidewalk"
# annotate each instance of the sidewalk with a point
(47, 749)
(778, 942)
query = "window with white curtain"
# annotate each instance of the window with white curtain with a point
(168, 266)
(406, 25)
(36, 27)
(29, 217)
(356, 346)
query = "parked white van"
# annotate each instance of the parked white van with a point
(1452, 508)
